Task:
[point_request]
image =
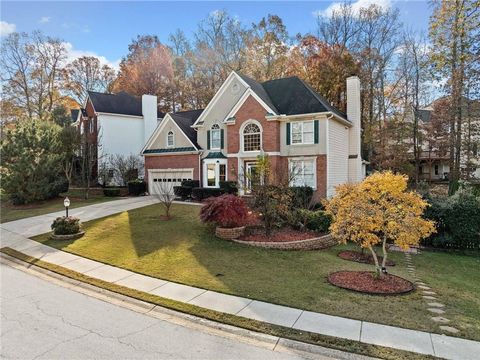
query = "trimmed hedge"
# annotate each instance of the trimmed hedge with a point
(111, 192)
(66, 225)
(183, 192)
(191, 183)
(230, 187)
(200, 193)
(137, 187)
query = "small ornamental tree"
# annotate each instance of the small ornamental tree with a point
(377, 211)
(227, 211)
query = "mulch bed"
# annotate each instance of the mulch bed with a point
(284, 235)
(362, 258)
(365, 282)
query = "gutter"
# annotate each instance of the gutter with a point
(329, 115)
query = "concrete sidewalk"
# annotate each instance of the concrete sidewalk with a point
(14, 234)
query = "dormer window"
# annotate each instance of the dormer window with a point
(215, 137)
(170, 139)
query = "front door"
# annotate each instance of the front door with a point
(251, 175)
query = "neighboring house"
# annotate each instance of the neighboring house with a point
(121, 123)
(284, 119)
(435, 154)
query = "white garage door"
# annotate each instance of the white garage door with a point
(162, 181)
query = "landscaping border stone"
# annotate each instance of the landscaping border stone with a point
(317, 243)
(67, 237)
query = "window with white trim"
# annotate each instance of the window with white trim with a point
(215, 137)
(302, 132)
(251, 137)
(170, 139)
(303, 172)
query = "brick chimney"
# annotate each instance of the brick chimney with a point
(355, 173)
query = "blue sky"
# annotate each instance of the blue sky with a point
(105, 28)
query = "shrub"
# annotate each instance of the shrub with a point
(136, 187)
(302, 196)
(318, 221)
(458, 221)
(274, 203)
(200, 194)
(111, 192)
(191, 183)
(66, 225)
(226, 211)
(229, 187)
(183, 192)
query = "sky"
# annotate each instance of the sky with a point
(105, 28)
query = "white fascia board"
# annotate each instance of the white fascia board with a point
(309, 116)
(173, 153)
(215, 98)
(121, 115)
(241, 101)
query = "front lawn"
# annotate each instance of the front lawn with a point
(11, 212)
(183, 250)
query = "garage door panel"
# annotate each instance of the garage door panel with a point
(163, 180)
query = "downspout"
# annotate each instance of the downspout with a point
(327, 145)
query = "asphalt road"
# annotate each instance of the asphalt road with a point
(43, 320)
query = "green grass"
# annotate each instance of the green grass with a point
(250, 324)
(9, 212)
(183, 250)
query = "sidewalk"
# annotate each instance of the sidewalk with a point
(15, 235)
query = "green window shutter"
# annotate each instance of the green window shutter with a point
(221, 139)
(288, 133)
(315, 131)
(208, 140)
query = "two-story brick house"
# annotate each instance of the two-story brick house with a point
(284, 119)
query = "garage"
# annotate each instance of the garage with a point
(162, 181)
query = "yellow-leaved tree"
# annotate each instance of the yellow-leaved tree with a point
(377, 211)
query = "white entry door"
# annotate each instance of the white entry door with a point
(162, 181)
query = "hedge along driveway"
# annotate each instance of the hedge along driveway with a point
(185, 251)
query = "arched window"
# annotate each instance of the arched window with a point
(251, 137)
(170, 139)
(215, 137)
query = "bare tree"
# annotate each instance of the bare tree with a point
(31, 72)
(163, 184)
(125, 167)
(87, 74)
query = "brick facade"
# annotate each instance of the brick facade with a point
(187, 161)
(252, 110)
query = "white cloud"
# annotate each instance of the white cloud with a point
(6, 28)
(73, 54)
(44, 19)
(356, 6)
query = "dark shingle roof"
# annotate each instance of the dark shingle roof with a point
(293, 96)
(259, 90)
(74, 114)
(169, 150)
(121, 103)
(185, 120)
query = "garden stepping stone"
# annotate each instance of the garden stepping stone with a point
(436, 304)
(423, 287)
(436, 311)
(426, 292)
(449, 329)
(428, 297)
(440, 319)
(420, 283)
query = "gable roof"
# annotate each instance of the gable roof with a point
(292, 96)
(185, 120)
(120, 103)
(259, 89)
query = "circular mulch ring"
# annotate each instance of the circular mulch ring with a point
(365, 282)
(362, 258)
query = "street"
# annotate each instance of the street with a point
(42, 320)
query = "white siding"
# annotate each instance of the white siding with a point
(337, 157)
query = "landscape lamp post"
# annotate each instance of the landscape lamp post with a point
(66, 203)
